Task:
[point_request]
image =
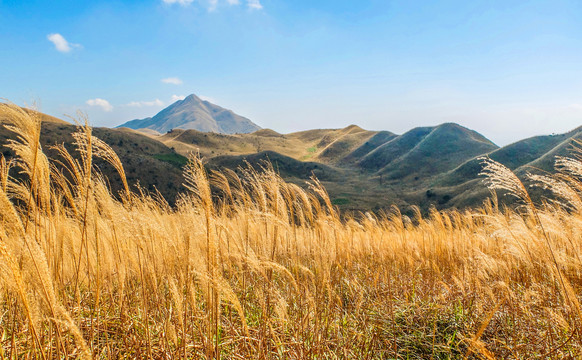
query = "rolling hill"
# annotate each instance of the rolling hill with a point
(329, 146)
(426, 151)
(195, 113)
(443, 148)
(147, 162)
(362, 170)
(533, 155)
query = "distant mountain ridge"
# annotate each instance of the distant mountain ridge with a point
(193, 113)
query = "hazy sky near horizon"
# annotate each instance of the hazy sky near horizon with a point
(507, 69)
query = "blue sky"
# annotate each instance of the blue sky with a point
(508, 69)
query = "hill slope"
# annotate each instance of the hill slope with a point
(442, 149)
(362, 170)
(533, 155)
(535, 152)
(146, 161)
(286, 166)
(328, 146)
(195, 113)
(426, 151)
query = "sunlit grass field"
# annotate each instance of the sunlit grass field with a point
(250, 267)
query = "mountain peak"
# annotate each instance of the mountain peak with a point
(194, 113)
(192, 98)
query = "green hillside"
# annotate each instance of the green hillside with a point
(362, 170)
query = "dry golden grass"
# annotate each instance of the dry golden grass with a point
(253, 267)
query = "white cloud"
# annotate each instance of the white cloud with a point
(172, 80)
(233, 2)
(212, 4)
(61, 44)
(177, 98)
(156, 102)
(181, 2)
(254, 4)
(102, 103)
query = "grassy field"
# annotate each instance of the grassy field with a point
(258, 268)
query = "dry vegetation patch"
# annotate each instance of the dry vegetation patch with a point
(260, 268)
